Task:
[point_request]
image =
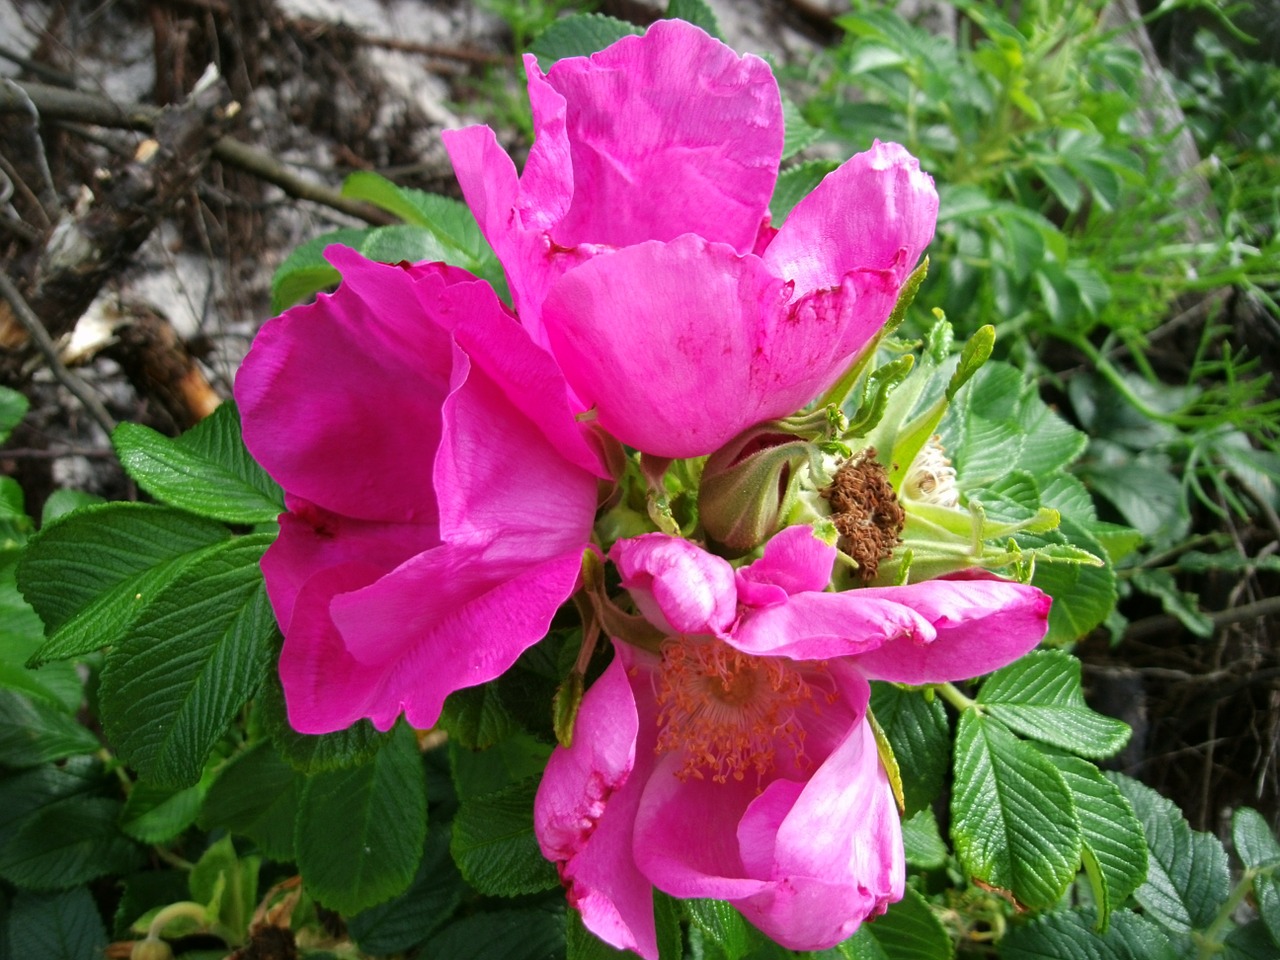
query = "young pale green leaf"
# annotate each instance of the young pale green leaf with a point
(1040, 696)
(55, 926)
(91, 574)
(1083, 595)
(408, 919)
(35, 731)
(306, 271)
(579, 35)
(311, 753)
(206, 471)
(1013, 820)
(494, 844)
(1187, 876)
(505, 934)
(189, 663)
(227, 885)
(908, 930)
(66, 843)
(360, 830)
(1114, 845)
(921, 739)
(256, 795)
(922, 842)
(1072, 935)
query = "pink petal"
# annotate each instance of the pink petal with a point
(447, 619)
(794, 561)
(819, 626)
(585, 810)
(318, 387)
(676, 584)
(681, 346)
(876, 212)
(312, 538)
(673, 114)
(982, 623)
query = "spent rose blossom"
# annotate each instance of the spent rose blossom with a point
(439, 491)
(737, 763)
(638, 249)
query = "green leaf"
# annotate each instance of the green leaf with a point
(509, 934)
(311, 753)
(1178, 603)
(1258, 849)
(91, 574)
(256, 795)
(206, 471)
(477, 717)
(1040, 696)
(579, 35)
(56, 926)
(494, 844)
(1187, 877)
(405, 921)
(155, 814)
(1083, 595)
(1070, 935)
(724, 926)
(62, 502)
(306, 271)
(582, 944)
(908, 930)
(921, 739)
(189, 663)
(1013, 821)
(696, 12)
(477, 773)
(13, 407)
(922, 842)
(360, 830)
(66, 843)
(797, 133)
(1253, 941)
(1114, 844)
(35, 731)
(227, 885)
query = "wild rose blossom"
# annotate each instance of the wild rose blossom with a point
(737, 763)
(637, 247)
(439, 491)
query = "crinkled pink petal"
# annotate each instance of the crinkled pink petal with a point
(325, 688)
(982, 623)
(499, 479)
(673, 114)
(818, 626)
(585, 808)
(876, 212)
(447, 619)
(317, 390)
(312, 538)
(676, 584)
(681, 346)
(794, 561)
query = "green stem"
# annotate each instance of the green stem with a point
(950, 693)
(173, 911)
(1210, 943)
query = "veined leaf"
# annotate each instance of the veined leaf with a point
(1013, 819)
(256, 795)
(1071, 935)
(921, 739)
(189, 663)
(56, 926)
(579, 35)
(1040, 696)
(206, 471)
(360, 830)
(494, 844)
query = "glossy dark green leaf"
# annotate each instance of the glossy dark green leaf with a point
(56, 926)
(494, 844)
(311, 753)
(256, 795)
(917, 730)
(34, 730)
(68, 842)
(1073, 935)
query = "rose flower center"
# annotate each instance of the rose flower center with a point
(726, 712)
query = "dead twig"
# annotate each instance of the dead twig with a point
(44, 343)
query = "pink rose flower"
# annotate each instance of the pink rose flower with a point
(737, 763)
(439, 491)
(637, 246)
